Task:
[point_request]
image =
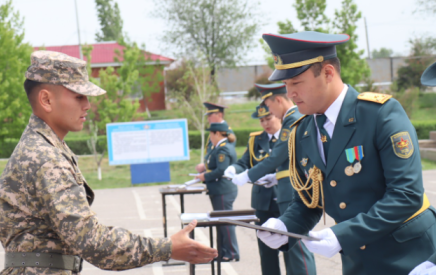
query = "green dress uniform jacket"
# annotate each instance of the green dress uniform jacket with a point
(45, 208)
(372, 208)
(217, 161)
(278, 161)
(261, 197)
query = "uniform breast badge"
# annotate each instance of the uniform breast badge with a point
(304, 162)
(353, 154)
(261, 153)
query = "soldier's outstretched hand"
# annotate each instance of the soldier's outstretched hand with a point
(186, 249)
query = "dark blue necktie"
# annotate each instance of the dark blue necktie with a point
(325, 138)
(272, 142)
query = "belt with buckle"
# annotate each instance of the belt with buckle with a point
(43, 260)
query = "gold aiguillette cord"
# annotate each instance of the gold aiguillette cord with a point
(312, 188)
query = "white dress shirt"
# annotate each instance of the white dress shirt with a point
(332, 114)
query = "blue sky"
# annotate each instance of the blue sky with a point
(391, 23)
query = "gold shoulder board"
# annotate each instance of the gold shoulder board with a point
(298, 121)
(222, 144)
(374, 97)
(253, 134)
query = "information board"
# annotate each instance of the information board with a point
(147, 141)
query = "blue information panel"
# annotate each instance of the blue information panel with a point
(147, 141)
(150, 172)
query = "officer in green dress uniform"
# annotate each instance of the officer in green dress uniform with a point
(354, 156)
(263, 197)
(215, 114)
(298, 260)
(222, 192)
(428, 78)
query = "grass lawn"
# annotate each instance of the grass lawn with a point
(119, 176)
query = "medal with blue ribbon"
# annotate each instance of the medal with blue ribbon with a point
(355, 153)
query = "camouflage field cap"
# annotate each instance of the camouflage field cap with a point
(61, 69)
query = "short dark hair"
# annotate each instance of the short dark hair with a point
(30, 86)
(317, 67)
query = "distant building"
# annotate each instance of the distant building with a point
(102, 56)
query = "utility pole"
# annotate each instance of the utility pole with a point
(78, 31)
(367, 40)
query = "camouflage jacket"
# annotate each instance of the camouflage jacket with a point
(45, 207)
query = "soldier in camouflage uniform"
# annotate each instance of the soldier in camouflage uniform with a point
(46, 223)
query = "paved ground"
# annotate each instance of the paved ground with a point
(139, 209)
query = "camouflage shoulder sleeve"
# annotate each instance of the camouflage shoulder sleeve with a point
(66, 209)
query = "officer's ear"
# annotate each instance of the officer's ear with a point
(329, 72)
(45, 100)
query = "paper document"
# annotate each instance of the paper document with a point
(257, 227)
(193, 175)
(191, 182)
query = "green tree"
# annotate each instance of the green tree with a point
(196, 82)
(353, 67)
(221, 30)
(115, 105)
(110, 21)
(150, 77)
(421, 56)
(14, 60)
(382, 53)
(311, 14)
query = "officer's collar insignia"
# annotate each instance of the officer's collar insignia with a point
(222, 144)
(402, 144)
(351, 119)
(304, 161)
(305, 133)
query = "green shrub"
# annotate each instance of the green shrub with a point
(427, 100)
(423, 128)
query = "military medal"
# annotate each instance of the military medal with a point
(349, 171)
(355, 153)
(357, 167)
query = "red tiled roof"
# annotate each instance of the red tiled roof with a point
(103, 52)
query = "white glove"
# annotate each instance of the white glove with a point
(328, 246)
(230, 172)
(424, 268)
(271, 239)
(271, 178)
(241, 179)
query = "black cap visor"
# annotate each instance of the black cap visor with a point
(279, 75)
